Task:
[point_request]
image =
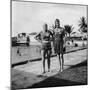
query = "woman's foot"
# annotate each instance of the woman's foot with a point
(44, 72)
(48, 70)
(61, 70)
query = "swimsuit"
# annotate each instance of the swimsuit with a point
(58, 40)
(45, 39)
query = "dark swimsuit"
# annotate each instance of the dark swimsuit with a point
(58, 41)
(45, 36)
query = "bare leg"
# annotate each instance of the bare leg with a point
(48, 59)
(62, 62)
(43, 59)
(59, 60)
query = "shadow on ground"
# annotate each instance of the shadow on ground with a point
(75, 75)
(84, 63)
(55, 82)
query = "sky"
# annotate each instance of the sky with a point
(30, 16)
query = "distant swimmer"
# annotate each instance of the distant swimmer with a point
(18, 51)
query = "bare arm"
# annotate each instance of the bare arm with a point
(51, 35)
(38, 37)
(64, 38)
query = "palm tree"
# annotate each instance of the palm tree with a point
(83, 24)
(68, 29)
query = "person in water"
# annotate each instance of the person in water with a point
(59, 42)
(18, 51)
(45, 38)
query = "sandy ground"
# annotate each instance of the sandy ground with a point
(30, 75)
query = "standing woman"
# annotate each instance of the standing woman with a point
(45, 38)
(59, 42)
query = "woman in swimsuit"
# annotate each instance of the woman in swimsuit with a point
(59, 42)
(45, 37)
